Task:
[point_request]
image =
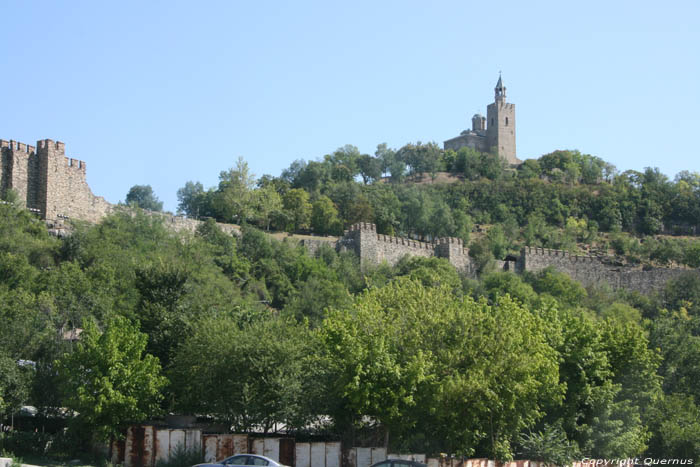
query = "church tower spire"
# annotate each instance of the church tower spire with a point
(500, 90)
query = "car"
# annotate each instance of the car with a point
(398, 463)
(241, 460)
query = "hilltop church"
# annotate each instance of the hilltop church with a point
(494, 133)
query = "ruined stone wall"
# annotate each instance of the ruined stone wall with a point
(64, 191)
(591, 270)
(315, 244)
(643, 281)
(184, 224)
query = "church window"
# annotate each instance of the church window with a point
(491, 121)
(506, 121)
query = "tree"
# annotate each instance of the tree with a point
(374, 373)
(109, 380)
(324, 217)
(191, 200)
(268, 207)
(14, 387)
(370, 168)
(249, 375)
(297, 208)
(416, 358)
(143, 197)
(421, 158)
(386, 157)
(233, 200)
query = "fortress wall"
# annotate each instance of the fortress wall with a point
(653, 279)
(184, 224)
(18, 166)
(453, 250)
(373, 248)
(313, 245)
(4, 162)
(392, 249)
(376, 248)
(590, 270)
(67, 194)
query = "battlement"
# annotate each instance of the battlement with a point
(405, 242)
(17, 146)
(364, 227)
(49, 144)
(547, 252)
(76, 164)
(450, 240)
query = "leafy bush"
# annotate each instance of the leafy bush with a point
(25, 443)
(30, 443)
(549, 445)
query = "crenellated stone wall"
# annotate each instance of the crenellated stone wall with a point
(48, 182)
(374, 248)
(595, 270)
(55, 186)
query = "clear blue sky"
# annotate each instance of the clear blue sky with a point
(161, 93)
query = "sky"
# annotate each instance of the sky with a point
(162, 93)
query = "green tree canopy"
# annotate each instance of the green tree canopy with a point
(109, 380)
(144, 197)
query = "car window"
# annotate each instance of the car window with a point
(257, 461)
(383, 464)
(236, 460)
(402, 464)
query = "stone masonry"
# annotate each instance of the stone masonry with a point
(376, 248)
(373, 248)
(55, 187)
(48, 182)
(494, 133)
(594, 270)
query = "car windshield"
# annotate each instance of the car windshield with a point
(236, 460)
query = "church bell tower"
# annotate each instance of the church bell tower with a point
(500, 130)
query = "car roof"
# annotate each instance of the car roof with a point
(251, 455)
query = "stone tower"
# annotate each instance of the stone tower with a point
(500, 130)
(47, 182)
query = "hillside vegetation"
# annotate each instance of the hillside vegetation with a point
(563, 200)
(257, 334)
